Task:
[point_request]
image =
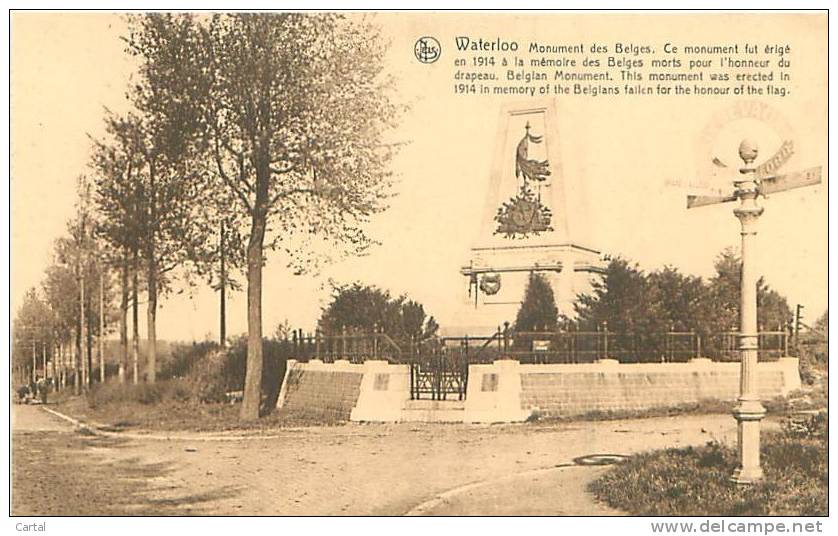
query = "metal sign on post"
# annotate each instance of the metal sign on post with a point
(540, 346)
(752, 184)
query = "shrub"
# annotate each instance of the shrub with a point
(814, 360)
(207, 377)
(202, 372)
(365, 308)
(275, 354)
(810, 427)
(181, 391)
(184, 357)
(538, 311)
(142, 393)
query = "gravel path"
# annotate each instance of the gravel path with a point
(32, 418)
(555, 491)
(385, 469)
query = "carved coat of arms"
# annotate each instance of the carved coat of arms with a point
(524, 214)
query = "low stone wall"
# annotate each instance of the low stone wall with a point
(507, 391)
(568, 390)
(320, 391)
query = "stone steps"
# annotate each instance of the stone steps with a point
(433, 411)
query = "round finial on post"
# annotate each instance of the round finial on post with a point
(748, 151)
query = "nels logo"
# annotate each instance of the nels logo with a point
(427, 49)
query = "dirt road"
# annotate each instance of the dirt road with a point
(356, 469)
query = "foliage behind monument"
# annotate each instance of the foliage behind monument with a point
(538, 311)
(366, 308)
(631, 300)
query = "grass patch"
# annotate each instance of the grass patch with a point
(693, 481)
(145, 394)
(171, 406)
(179, 416)
(190, 394)
(703, 407)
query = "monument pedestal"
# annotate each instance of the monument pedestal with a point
(569, 268)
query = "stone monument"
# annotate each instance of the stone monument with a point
(534, 220)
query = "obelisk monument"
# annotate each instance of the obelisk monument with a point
(535, 220)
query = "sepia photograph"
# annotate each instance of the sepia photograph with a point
(420, 263)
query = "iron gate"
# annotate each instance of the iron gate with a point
(439, 373)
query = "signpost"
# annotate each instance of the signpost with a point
(752, 184)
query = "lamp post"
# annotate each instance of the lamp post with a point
(749, 411)
(753, 182)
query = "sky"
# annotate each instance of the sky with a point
(634, 155)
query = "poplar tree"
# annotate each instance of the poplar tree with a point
(165, 136)
(293, 111)
(296, 107)
(116, 166)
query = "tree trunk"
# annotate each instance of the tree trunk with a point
(253, 373)
(82, 325)
(101, 323)
(44, 359)
(151, 308)
(56, 366)
(135, 317)
(59, 367)
(123, 320)
(223, 297)
(76, 364)
(88, 377)
(63, 374)
(151, 319)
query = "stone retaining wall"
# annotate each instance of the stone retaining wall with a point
(565, 390)
(507, 391)
(319, 391)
